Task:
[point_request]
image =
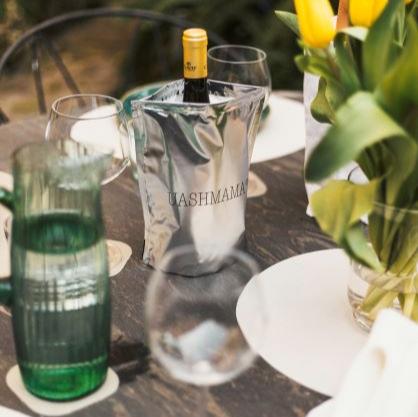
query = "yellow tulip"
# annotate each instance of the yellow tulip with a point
(365, 12)
(316, 22)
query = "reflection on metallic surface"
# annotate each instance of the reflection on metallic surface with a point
(193, 162)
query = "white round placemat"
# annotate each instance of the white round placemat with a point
(118, 254)
(311, 336)
(283, 131)
(59, 408)
(256, 186)
(7, 412)
(323, 410)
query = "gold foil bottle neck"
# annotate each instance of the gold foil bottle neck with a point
(195, 42)
(195, 37)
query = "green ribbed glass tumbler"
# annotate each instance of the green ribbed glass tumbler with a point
(59, 289)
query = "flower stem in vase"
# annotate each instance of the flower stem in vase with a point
(376, 299)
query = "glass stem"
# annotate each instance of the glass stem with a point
(203, 402)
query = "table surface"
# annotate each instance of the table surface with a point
(277, 228)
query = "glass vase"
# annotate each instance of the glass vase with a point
(392, 233)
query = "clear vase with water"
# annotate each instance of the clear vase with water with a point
(393, 235)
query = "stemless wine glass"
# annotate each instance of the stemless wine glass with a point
(96, 121)
(192, 321)
(240, 64)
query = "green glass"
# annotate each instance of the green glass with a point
(59, 289)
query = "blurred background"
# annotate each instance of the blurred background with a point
(113, 55)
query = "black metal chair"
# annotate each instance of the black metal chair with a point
(38, 38)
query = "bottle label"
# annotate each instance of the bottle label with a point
(208, 198)
(195, 62)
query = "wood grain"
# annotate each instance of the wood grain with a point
(277, 228)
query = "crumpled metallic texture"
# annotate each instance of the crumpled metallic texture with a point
(193, 162)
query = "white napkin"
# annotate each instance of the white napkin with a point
(382, 381)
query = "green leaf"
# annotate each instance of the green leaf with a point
(356, 32)
(319, 65)
(340, 204)
(348, 67)
(402, 171)
(320, 106)
(398, 91)
(411, 8)
(289, 19)
(315, 65)
(336, 95)
(379, 48)
(357, 247)
(338, 208)
(360, 123)
(400, 26)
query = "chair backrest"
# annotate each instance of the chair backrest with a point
(38, 38)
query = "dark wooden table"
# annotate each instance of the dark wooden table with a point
(277, 228)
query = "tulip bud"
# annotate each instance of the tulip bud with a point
(316, 22)
(365, 12)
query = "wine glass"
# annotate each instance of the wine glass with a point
(192, 321)
(98, 122)
(240, 64)
(243, 65)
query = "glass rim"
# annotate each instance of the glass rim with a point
(262, 58)
(118, 110)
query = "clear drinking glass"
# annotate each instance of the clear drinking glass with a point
(97, 121)
(59, 289)
(192, 322)
(240, 64)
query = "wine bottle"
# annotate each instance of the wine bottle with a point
(195, 43)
